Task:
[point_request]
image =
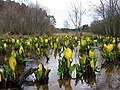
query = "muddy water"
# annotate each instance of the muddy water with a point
(107, 79)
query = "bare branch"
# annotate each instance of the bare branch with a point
(75, 14)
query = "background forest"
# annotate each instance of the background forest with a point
(17, 18)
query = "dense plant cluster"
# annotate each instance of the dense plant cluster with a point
(76, 54)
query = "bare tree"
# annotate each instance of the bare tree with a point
(109, 10)
(75, 14)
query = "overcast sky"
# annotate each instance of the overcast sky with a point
(60, 9)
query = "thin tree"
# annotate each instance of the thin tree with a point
(75, 14)
(110, 13)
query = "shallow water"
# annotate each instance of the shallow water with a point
(107, 79)
(101, 81)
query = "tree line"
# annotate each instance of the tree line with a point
(109, 12)
(19, 18)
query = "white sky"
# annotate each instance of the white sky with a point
(60, 9)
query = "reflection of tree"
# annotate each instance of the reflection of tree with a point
(109, 68)
(118, 69)
(88, 77)
(111, 77)
(90, 80)
(65, 83)
(42, 87)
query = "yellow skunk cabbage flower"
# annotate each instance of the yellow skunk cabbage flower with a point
(5, 45)
(17, 41)
(88, 39)
(92, 64)
(84, 59)
(46, 40)
(36, 39)
(38, 51)
(108, 47)
(66, 43)
(41, 40)
(28, 43)
(30, 39)
(55, 45)
(68, 53)
(36, 45)
(13, 53)
(57, 40)
(113, 40)
(105, 47)
(21, 50)
(91, 53)
(118, 46)
(88, 47)
(76, 38)
(12, 63)
(40, 67)
(13, 40)
(83, 42)
(51, 43)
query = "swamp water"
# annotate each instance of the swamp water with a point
(107, 79)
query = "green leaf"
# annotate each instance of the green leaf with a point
(81, 61)
(38, 75)
(71, 69)
(89, 59)
(60, 67)
(8, 71)
(47, 71)
(59, 73)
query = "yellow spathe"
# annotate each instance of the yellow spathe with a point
(21, 50)
(12, 63)
(91, 53)
(118, 46)
(55, 45)
(83, 42)
(68, 53)
(40, 67)
(92, 64)
(108, 47)
(46, 40)
(5, 45)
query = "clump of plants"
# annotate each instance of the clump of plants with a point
(86, 60)
(42, 74)
(8, 76)
(64, 68)
(108, 52)
(11, 76)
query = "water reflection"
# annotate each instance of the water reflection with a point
(42, 87)
(108, 78)
(108, 68)
(90, 80)
(66, 83)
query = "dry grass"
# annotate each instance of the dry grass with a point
(74, 33)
